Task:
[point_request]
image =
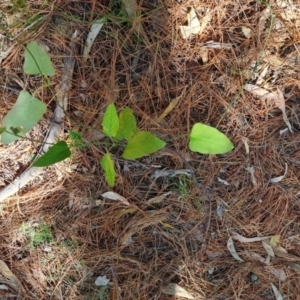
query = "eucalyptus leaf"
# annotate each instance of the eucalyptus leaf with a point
(110, 121)
(208, 140)
(94, 30)
(141, 144)
(127, 124)
(24, 115)
(37, 61)
(108, 165)
(58, 152)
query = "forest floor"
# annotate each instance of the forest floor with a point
(238, 72)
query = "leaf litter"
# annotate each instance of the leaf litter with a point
(176, 290)
(207, 70)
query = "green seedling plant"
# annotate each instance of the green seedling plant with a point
(38, 235)
(120, 128)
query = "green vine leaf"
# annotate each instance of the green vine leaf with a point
(58, 152)
(209, 140)
(108, 165)
(76, 139)
(141, 144)
(24, 115)
(127, 124)
(37, 61)
(110, 121)
(16, 130)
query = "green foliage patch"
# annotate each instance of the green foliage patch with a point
(58, 152)
(37, 61)
(24, 115)
(37, 235)
(121, 129)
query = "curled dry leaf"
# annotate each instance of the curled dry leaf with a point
(288, 10)
(176, 290)
(273, 60)
(125, 211)
(261, 76)
(95, 29)
(193, 26)
(268, 248)
(101, 281)
(247, 32)
(9, 279)
(276, 292)
(127, 241)
(158, 199)
(278, 273)
(254, 256)
(215, 45)
(283, 131)
(115, 196)
(280, 249)
(274, 240)
(130, 7)
(251, 171)
(169, 108)
(167, 225)
(256, 91)
(242, 239)
(265, 14)
(172, 173)
(231, 248)
(245, 141)
(277, 97)
(279, 178)
(139, 222)
(295, 267)
(280, 103)
(222, 181)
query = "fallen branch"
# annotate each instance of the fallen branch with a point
(53, 130)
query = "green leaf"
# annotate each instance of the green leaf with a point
(37, 61)
(55, 154)
(24, 115)
(127, 126)
(110, 121)
(208, 140)
(141, 144)
(108, 165)
(2, 129)
(16, 130)
(76, 139)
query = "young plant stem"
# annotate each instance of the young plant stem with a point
(26, 138)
